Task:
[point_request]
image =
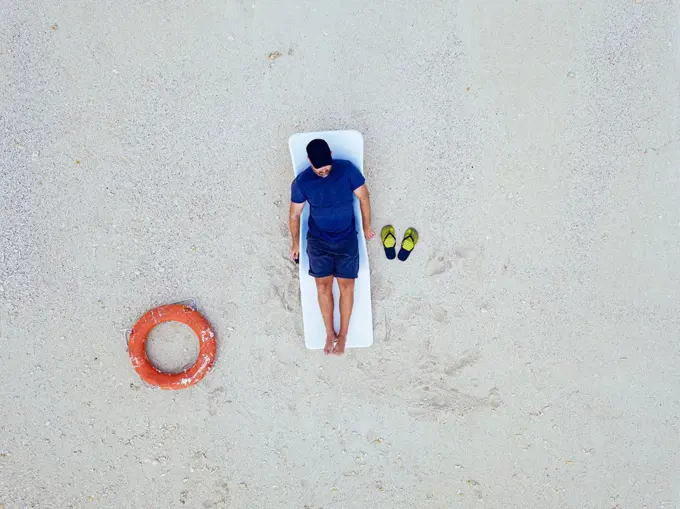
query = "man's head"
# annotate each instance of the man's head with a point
(319, 155)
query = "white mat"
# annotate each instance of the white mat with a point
(347, 145)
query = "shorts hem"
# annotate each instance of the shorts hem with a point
(346, 277)
(316, 276)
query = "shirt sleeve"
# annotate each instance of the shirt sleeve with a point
(296, 194)
(356, 179)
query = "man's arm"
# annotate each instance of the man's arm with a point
(365, 205)
(294, 225)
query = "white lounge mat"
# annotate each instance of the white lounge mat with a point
(347, 145)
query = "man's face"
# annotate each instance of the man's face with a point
(323, 171)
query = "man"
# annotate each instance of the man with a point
(329, 186)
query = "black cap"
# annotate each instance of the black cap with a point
(319, 153)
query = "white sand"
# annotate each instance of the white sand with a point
(527, 355)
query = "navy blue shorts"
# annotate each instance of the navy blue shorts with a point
(339, 259)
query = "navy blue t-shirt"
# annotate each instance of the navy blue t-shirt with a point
(331, 200)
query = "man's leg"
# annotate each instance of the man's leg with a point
(324, 289)
(321, 269)
(346, 305)
(346, 271)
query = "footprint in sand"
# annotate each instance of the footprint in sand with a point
(381, 330)
(216, 398)
(284, 286)
(494, 400)
(439, 313)
(382, 290)
(466, 253)
(438, 264)
(476, 488)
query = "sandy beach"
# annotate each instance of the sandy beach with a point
(525, 356)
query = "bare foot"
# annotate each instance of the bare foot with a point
(340, 345)
(330, 339)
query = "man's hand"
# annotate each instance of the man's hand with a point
(368, 232)
(295, 252)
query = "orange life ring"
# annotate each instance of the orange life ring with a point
(172, 313)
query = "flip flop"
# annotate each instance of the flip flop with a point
(389, 241)
(408, 244)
